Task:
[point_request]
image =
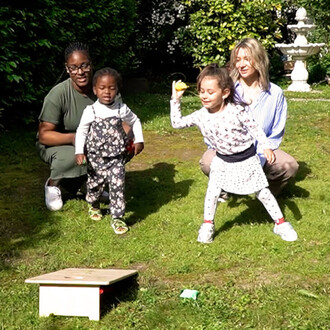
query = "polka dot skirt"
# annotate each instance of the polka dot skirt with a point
(241, 178)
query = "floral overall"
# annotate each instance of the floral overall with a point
(106, 152)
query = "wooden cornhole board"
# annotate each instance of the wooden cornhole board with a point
(75, 291)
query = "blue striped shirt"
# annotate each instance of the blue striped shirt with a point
(270, 112)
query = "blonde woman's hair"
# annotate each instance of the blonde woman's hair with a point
(258, 59)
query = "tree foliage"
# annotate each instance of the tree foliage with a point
(145, 36)
(155, 45)
(216, 25)
(34, 36)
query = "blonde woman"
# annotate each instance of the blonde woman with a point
(249, 69)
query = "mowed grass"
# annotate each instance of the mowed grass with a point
(248, 278)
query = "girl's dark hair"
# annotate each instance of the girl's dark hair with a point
(108, 72)
(223, 78)
(76, 47)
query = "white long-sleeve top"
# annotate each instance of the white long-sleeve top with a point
(230, 131)
(117, 109)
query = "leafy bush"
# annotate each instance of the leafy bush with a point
(155, 45)
(318, 67)
(149, 37)
(216, 25)
(34, 36)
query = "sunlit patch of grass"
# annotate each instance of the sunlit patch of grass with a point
(247, 278)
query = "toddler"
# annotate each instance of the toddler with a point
(101, 140)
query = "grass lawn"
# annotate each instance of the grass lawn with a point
(248, 278)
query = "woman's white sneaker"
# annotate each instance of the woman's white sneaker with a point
(205, 233)
(286, 231)
(53, 197)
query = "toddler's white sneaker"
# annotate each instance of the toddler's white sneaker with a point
(205, 233)
(53, 197)
(286, 231)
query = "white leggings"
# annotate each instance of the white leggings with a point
(264, 195)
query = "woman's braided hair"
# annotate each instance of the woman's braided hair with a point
(76, 47)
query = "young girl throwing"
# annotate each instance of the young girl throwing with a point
(232, 131)
(101, 134)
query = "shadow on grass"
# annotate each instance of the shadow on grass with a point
(26, 224)
(24, 220)
(119, 292)
(256, 213)
(148, 190)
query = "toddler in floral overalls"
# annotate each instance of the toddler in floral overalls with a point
(101, 136)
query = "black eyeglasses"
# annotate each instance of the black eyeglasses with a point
(85, 67)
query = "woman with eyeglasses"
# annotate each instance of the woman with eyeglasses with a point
(59, 118)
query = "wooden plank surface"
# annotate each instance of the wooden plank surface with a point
(83, 276)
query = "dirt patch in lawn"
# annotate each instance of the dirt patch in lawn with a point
(168, 148)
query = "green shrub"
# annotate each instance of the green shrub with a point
(34, 36)
(215, 26)
(318, 68)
